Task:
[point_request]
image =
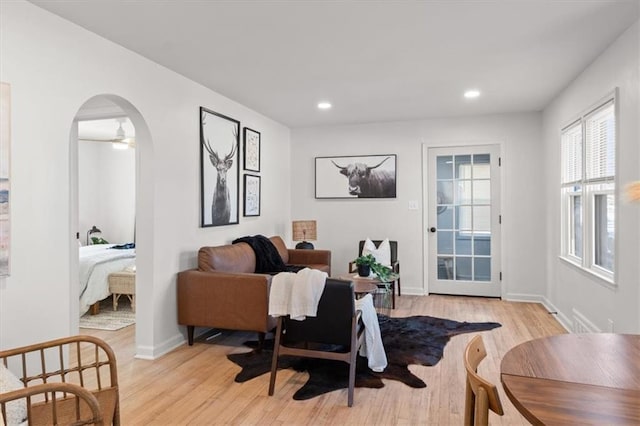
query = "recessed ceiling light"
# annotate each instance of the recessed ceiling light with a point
(324, 105)
(470, 94)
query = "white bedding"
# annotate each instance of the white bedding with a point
(96, 263)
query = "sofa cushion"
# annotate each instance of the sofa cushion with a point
(319, 266)
(228, 258)
(268, 259)
(282, 248)
(382, 253)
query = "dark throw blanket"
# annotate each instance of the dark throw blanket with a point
(268, 260)
(414, 340)
(124, 246)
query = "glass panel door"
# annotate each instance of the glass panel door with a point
(463, 192)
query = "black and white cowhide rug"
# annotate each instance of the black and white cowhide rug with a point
(414, 340)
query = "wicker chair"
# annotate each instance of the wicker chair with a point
(72, 380)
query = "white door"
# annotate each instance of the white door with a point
(463, 220)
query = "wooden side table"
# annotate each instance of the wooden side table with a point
(120, 283)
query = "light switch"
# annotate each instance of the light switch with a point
(413, 205)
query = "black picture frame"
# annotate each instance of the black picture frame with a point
(356, 176)
(252, 195)
(251, 149)
(219, 169)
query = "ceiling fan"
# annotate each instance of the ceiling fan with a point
(120, 141)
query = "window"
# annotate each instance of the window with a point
(588, 190)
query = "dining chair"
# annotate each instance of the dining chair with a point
(336, 333)
(480, 395)
(395, 266)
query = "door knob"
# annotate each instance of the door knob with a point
(432, 229)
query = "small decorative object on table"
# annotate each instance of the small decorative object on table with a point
(93, 230)
(304, 230)
(364, 264)
(367, 264)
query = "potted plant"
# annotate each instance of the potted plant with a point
(364, 264)
(384, 273)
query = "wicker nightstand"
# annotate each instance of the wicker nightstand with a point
(120, 283)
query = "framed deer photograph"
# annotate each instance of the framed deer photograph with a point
(364, 176)
(219, 169)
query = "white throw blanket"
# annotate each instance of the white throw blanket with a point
(372, 347)
(296, 295)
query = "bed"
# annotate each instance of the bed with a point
(96, 263)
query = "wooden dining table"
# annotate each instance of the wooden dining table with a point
(575, 379)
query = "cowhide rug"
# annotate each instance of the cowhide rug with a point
(413, 340)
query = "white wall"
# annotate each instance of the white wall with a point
(341, 223)
(568, 287)
(53, 67)
(106, 191)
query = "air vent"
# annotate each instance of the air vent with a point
(582, 325)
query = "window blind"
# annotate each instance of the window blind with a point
(600, 143)
(572, 153)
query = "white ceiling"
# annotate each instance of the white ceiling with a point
(374, 60)
(104, 130)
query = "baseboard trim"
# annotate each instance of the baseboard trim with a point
(155, 352)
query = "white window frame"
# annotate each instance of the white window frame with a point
(587, 189)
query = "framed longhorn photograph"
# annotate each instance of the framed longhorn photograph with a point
(219, 169)
(364, 176)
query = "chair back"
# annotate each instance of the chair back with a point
(392, 244)
(81, 360)
(481, 395)
(332, 325)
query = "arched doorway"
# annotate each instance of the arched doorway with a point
(114, 107)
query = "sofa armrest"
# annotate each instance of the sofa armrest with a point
(309, 257)
(235, 301)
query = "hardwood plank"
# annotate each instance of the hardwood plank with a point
(194, 384)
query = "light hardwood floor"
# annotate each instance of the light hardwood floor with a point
(194, 385)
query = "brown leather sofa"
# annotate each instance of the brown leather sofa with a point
(224, 291)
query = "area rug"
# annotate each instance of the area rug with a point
(107, 318)
(414, 340)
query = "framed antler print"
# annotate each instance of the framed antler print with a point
(251, 195)
(219, 169)
(251, 150)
